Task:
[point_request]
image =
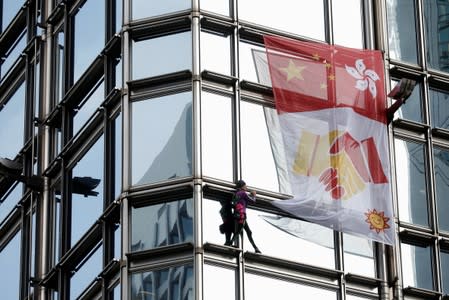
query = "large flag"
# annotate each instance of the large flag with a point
(331, 109)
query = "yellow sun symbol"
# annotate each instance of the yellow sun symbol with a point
(377, 220)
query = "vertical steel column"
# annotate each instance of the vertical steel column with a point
(43, 238)
(126, 138)
(197, 173)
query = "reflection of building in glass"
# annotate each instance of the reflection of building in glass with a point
(73, 74)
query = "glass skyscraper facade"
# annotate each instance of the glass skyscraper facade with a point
(131, 119)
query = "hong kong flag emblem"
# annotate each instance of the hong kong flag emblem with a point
(331, 105)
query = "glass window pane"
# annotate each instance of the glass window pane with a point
(117, 242)
(416, 266)
(87, 202)
(9, 201)
(162, 138)
(118, 156)
(13, 54)
(265, 288)
(439, 108)
(216, 53)
(358, 256)
(216, 6)
(436, 16)
(444, 257)
(287, 15)
(219, 283)
(118, 15)
(87, 107)
(12, 124)
(402, 30)
(246, 61)
(162, 224)
(412, 110)
(86, 273)
(9, 11)
(258, 165)
(145, 8)
(286, 237)
(348, 26)
(441, 169)
(411, 182)
(161, 55)
(59, 60)
(10, 266)
(216, 135)
(170, 283)
(88, 43)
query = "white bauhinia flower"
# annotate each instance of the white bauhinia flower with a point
(365, 77)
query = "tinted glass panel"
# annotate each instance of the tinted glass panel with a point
(439, 108)
(401, 30)
(145, 8)
(258, 166)
(246, 61)
(162, 138)
(162, 224)
(286, 237)
(10, 10)
(286, 15)
(411, 182)
(416, 266)
(13, 54)
(10, 262)
(87, 107)
(441, 161)
(436, 16)
(216, 6)
(444, 256)
(87, 190)
(347, 17)
(216, 53)
(118, 156)
(162, 55)
(9, 201)
(117, 242)
(219, 283)
(170, 283)
(88, 43)
(86, 273)
(118, 15)
(358, 256)
(412, 109)
(264, 288)
(59, 53)
(216, 135)
(11, 124)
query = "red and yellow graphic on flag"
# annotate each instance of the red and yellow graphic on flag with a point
(331, 105)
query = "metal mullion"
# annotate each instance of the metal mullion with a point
(328, 22)
(422, 47)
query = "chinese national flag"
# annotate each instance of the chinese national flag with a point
(331, 105)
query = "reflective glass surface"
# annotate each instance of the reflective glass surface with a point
(9, 201)
(358, 256)
(87, 190)
(401, 30)
(265, 288)
(441, 169)
(161, 138)
(416, 266)
(145, 9)
(247, 65)
(59, 59)
(444, 258)
(216, 52)
(117, 242)
(219, 283)
(169, 283)
(161, 55)
(348, 26)
(411, 182)
(13, 54)
(216, 148)
(9, 11)
(412, 109)
(118, 15)
(436, 16)
(161, 225)
(87, 107)
(258, 165)
(216, 6)
(10, 266)
(88, 43)
(118, 156)
(439, 108)
(291, 239)
(12, 124)
(286, 15)
(86, 273)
